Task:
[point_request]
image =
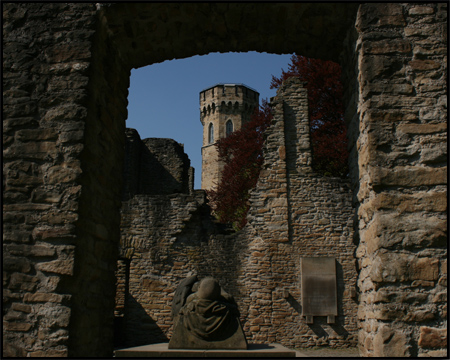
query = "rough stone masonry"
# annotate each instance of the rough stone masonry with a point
(295, 213)
(66, 72)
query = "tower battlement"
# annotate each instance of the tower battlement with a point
(224, 108)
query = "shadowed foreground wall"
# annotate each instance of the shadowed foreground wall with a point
(65, 77)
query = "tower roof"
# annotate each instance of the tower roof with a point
(230, 84)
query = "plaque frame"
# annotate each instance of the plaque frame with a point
(319, 288)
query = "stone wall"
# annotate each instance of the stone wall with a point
(295, 213)
(65, 75)
(399, 154)
(60, 198)
(155, 166)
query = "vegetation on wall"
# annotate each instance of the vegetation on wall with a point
(241, 152)
(326, 112)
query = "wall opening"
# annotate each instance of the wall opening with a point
(136, 45)
(163, 100)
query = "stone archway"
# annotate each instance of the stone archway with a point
(66, 72)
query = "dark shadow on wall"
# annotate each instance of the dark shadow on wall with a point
(154, 177)
(154, 166)
(320, 321)
(294, 303)
(137, 327)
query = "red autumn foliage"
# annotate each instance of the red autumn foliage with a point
(326, 112)
(241, 153)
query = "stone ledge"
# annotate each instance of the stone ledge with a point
(161, 350)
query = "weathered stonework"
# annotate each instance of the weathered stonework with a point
(295, 213)
(155, 166)
(219, 105)
(61, 198)
(65, 77)
(401, 175)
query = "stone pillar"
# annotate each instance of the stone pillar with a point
(63, 127)
(402, 162)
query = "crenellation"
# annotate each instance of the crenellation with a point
(235, 105)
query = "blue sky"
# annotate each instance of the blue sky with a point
(163, 98)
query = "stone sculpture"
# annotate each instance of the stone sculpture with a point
(205, 317)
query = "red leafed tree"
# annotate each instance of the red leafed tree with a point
(241, 153)
(326, 112)
(242, 150)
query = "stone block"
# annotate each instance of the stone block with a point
(21, 307)
(65, 173)
(50, 353)
(15, 316)
(393, 267)
(422, 129)
(388, 14)
(42, 195)
(423, 283)
(16, 326)
(391, 116)
(408, 176)
(31, 150)
(23, 282)
(418, 10)
(63, 267)
(36, 134)
(63, 113)
(440, 297)
(432, 337)
(424, 269)
(386, 47)
(435, 154)
(43, 297)
(410, 230)
(16, 264)
(417, 316)
(47, 233)
(30, 250)
(435, 353)
(444, 266)
(422, 65)
(432, 201)
(390, 343)
(13, 350)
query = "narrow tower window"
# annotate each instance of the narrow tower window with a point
(211, 133)
(229, 127)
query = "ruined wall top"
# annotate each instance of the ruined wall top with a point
(155, 166)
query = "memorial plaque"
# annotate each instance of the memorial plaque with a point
(318, 288)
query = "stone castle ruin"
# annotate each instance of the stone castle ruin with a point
(296, 214)
(224, 108)
(91, 245)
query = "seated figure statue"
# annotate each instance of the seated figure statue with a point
(205, 318)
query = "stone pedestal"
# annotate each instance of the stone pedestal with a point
(162, 350)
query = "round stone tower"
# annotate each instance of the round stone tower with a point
(224, 108)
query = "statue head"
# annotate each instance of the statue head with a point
(208, 289)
